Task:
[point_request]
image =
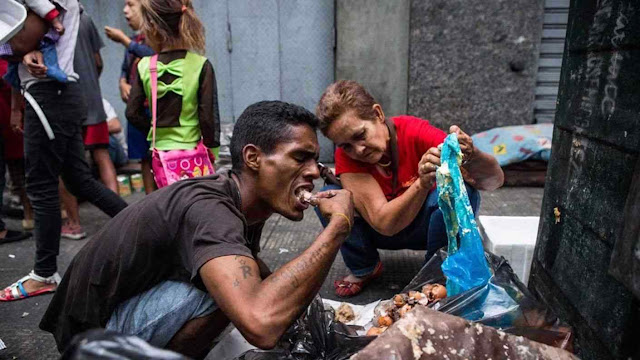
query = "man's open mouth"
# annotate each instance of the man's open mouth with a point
(304, 197)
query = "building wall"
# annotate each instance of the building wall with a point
(260, 50)
(372, 48)
(474, 62)
(596, 144)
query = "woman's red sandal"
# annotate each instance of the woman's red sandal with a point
(346, 288)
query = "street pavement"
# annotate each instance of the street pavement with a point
(282, 240)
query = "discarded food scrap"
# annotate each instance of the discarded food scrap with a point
(402, 303)
(345, 313)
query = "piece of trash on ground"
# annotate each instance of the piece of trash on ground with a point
(2, 346)
(25, 314)
(12, 256)
(283, 250)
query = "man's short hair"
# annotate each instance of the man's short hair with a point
(266, 124)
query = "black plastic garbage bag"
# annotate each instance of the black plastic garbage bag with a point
(99, 344)
(314, 336)
(504, 302)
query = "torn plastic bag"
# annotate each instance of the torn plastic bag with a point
(99, 344)
(314, 336)
(504, 303)
(465, 267)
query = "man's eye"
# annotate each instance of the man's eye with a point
(361, 135)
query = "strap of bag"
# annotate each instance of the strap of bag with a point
(153, 68)
(393, 142)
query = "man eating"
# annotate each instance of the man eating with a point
(176, 267)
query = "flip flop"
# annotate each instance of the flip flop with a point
(16, 291)
(346, 288)
(13, 235)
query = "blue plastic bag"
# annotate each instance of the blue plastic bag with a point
(466, 266)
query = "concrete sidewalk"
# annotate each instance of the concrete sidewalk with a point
(282, 240)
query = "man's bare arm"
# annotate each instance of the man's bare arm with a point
(28, 39)
(263, 310)
(265, 272)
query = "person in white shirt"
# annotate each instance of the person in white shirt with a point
(117, 138)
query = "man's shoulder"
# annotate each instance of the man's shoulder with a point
(218, 186)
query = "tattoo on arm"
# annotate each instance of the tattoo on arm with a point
(236, 283)
(290, 273)
(241, 260)
(246, 271)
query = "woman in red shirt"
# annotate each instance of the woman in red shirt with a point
(389, 165)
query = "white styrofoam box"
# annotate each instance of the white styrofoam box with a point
(513, 237)
(12, 17)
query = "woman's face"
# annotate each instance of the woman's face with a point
(132, 14)
(363, 140)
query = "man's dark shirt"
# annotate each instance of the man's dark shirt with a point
(169, 234)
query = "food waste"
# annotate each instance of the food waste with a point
(345, 313)
(402, 303)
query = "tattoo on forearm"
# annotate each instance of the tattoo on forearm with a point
(236, 283)
(246, 271)
(290, 273)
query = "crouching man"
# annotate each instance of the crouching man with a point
(177, 266)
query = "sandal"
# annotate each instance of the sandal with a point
(16, 290)
(346, 288)
(13, 236)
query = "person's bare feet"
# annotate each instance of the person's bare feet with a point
(3, 234)
(354, 279)
(32, 285)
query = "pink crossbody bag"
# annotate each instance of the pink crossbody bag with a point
(170, 166)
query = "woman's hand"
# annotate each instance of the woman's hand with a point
(427, 167)
(466, 143)
(35, 64)
(117, 35)
(125, 90)
(15, 120)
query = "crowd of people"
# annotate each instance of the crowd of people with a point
(177, 266)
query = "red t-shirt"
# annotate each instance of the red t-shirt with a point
(415, 137)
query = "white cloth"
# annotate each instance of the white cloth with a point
(65, 47)
(109, 110)
(40, 7)
(112, 115)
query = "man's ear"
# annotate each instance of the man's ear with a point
(251, 156)
(379, 113)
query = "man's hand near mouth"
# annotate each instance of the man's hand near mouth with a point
(263, 309)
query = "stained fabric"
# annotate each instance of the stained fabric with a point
(466, 266)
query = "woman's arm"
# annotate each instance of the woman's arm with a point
(135, 111)
(388, 217)
(208, 113)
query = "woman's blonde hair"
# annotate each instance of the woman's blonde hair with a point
(173, 24)
(343, 96)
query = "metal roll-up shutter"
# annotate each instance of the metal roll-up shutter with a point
(554, 29)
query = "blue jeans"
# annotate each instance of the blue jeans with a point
(157, 314)
(116, 152)
(426, 232)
